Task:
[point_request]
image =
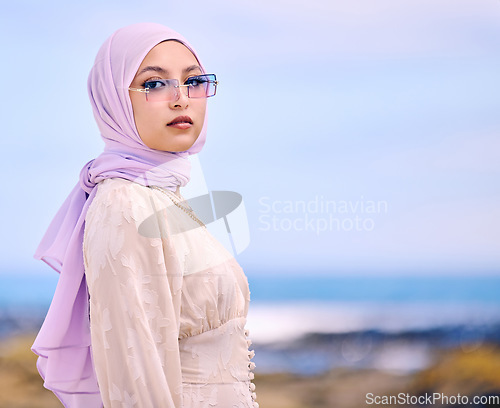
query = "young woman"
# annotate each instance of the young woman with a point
(150, 309)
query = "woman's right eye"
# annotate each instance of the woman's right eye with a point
(155, 84)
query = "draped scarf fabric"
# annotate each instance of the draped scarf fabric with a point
(63, 343)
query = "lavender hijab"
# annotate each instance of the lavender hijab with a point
(63, 343)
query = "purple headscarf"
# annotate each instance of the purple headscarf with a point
(63, 343)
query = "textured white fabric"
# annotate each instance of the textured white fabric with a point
(168, 305)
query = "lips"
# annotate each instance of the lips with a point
(180, 119)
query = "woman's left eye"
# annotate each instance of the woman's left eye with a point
(195, 81)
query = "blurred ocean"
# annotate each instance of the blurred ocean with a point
(310, 324)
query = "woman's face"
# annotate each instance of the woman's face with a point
(168, 60)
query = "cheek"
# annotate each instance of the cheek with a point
(201, 111)
(147, 119)
(138, 111)
(144, 114)
(140, 123)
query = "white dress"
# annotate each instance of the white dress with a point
(168, 305)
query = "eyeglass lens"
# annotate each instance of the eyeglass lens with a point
(200, 86)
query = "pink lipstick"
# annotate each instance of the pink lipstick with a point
(181, 122)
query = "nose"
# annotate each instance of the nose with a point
(181, 98)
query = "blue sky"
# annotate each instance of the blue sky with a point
(335, 102)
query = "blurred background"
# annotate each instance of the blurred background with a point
(364, 138)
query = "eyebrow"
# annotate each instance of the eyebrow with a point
(163, 71)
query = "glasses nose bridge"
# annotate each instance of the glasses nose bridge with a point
(178, 88)
(175, 93)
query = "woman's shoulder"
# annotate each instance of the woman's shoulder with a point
(120, 196)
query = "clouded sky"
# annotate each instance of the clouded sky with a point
(383, 113)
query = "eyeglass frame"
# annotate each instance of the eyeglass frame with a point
(147, 90)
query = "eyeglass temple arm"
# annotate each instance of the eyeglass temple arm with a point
(146, 90)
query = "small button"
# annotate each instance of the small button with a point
(251, 365)
(251, 375)
(247, 332)
(251, 354)
(256, 404)
(254, 395)
(252, 387)
(249, 342)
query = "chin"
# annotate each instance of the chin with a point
(176, 148)
(178, 143)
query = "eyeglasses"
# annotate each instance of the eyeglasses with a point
(161, 90)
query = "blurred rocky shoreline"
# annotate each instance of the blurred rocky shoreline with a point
(468, 368)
